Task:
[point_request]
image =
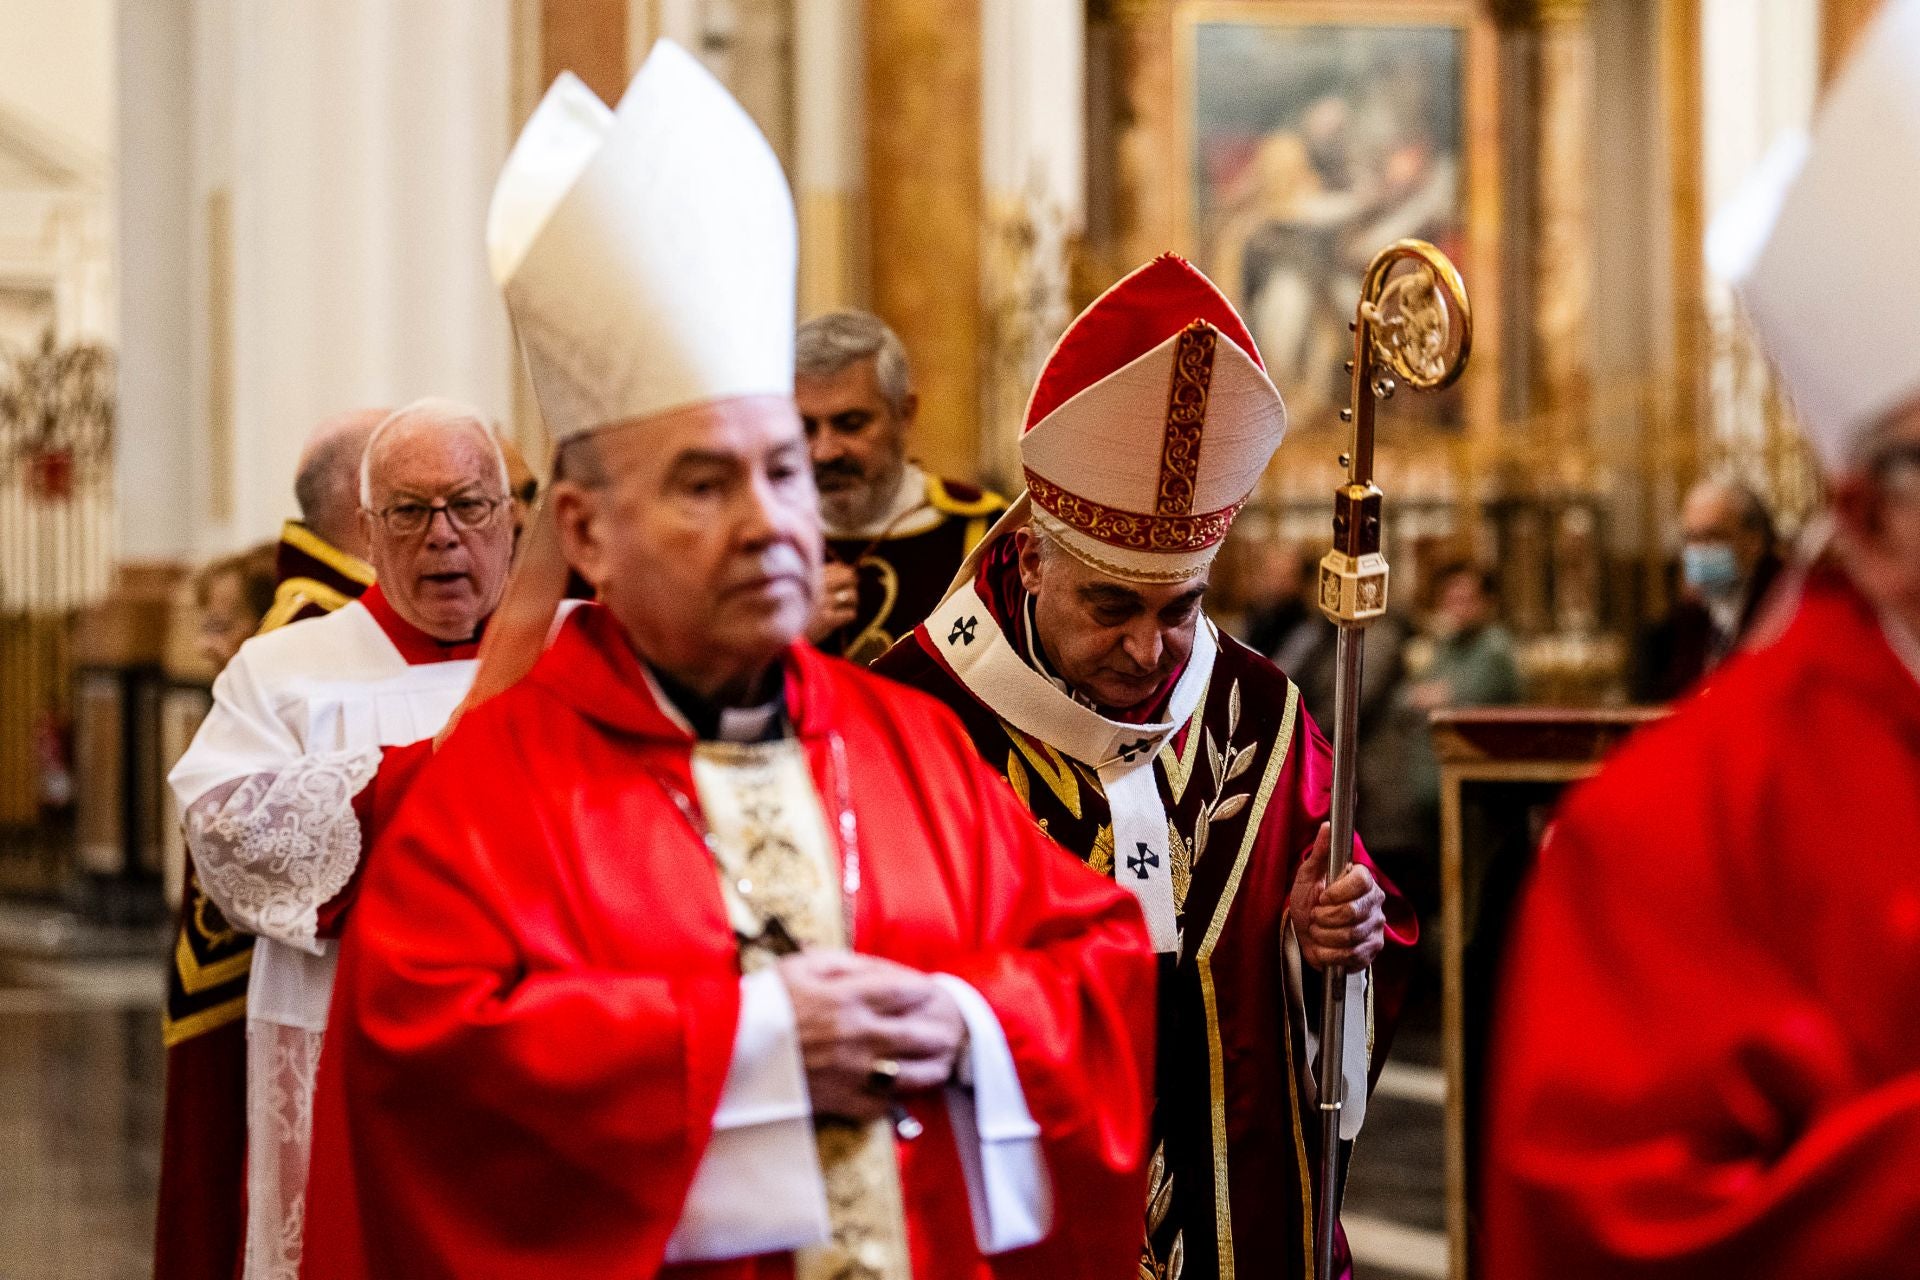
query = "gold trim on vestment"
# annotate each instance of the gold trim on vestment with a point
(942, 499)
(195, 978)
(173, 1033)
(295, 594)
(1179, 768)
(1216, 1067)
(1055, 770)
(347, 565)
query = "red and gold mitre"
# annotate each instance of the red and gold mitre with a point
(1150, 426)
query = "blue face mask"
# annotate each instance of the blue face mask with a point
(1709, 567)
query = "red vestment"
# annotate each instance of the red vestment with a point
(1705, 1062)
(1246, 783)
(536, 1001)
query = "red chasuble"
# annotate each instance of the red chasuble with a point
(1705, 1061)
(1246, 783)
(536, 1003)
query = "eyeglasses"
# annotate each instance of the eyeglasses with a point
(405, 519)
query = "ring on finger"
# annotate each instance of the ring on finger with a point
(882, 1076)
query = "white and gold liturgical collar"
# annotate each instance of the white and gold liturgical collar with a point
(769, 838)
(1121, 754)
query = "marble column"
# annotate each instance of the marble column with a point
(1033, 132)
(1563, 248)
(343, 155)
(924, 200)
(588, 38)
(1841, 23)
(828, 148)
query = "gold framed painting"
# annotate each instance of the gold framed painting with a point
(1313, 134)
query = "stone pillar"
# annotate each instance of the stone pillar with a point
(1563, 249)
(829, 144)
(925, 207)
(1033, 139)
(588, 38)
(344, 155)
(154, 456)
(1841, 23)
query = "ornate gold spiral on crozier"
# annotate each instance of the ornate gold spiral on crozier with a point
(1420, 321)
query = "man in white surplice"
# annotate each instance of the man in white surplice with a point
(315, 732)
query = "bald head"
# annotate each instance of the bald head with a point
(326, 482)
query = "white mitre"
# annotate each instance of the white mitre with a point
(1149, 427)
(1820, 245)
(647, 254)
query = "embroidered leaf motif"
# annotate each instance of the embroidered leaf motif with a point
(1216, 762)
(1159, 1190)
(1181, 855)
(1054, 769)
(1017, 779)
(1100, 858)
(1200, 829)
(1233, 710)
(1242, 761)
(1177, 1256)
(1230, 806)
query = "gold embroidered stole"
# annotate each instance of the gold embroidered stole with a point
(769, 840)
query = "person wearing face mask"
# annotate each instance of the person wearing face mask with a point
(1704, 1059)
(1728, 562)
(1076, 649)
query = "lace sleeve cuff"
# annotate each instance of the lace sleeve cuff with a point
(272, 847)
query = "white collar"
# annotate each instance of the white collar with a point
(979, 654)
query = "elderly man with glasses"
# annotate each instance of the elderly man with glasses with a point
(316, 731)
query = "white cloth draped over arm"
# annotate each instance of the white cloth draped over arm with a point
(999, 1140)
(758, 1188)
(271, 829)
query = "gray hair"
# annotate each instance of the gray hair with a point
(827, 344)
(438, 409)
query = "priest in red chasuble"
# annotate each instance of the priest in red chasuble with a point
(1705, 1059)
(696, 951)
(1076, 650)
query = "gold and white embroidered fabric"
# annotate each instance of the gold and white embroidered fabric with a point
(271, 848)
(768, 835)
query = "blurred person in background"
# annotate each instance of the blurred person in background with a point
(1704, 1061)
(895, 534)
(233, 595)
(1727, 564)
(1462, 658)
(323, 555)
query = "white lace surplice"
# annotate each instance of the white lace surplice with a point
(298, 723)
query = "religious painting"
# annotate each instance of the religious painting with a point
(1317, 134)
